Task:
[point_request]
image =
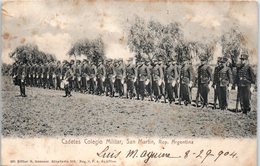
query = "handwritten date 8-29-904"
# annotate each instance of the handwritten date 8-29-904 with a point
(201, 155)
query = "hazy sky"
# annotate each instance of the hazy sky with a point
(55, 25)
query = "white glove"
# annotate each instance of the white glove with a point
(229, 88)
(190, 84)
(122, 81)
(210, 84)
(252, 89)
(146, 82)
(103, 79)
(94, 79)
(160, 82)
(236, 88)
(173, 83)
(135, 79)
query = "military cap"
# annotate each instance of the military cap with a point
(219, 59)
(244, 55)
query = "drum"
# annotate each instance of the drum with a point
(64, 83)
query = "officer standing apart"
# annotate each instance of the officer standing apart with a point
(245, 82)
(21, 73)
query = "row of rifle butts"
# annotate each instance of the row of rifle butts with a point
(154, 80)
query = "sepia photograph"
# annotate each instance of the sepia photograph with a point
(123, 74)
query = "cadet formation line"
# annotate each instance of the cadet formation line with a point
(154, 79)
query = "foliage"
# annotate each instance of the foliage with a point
(92, 49)
(30, 53)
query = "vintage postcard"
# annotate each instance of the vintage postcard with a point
(129, 83)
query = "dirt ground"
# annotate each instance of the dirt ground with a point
(46, 113)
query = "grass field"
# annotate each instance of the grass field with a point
(46, 113)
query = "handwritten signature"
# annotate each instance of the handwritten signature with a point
(202, 155)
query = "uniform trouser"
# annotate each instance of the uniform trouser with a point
(141, 89)
(110, 87)
(245, 97)
(216, 95)
(149, 88)
(176, 88)
(92, 85)
(156, 89)
(100, 86)
(84, 83)
(203, 92)
(170, 91)
(130, 87)
(77, 85)
(119, 86)
(185, 93)
(58, 81)
(44, 82)
(68, 88)
(22, 86)
(223, 97)
(162, 89)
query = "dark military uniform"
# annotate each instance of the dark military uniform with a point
(84, 75)
(101, 75)
(157, 74)
(77, 74)
(149, 86)
(204, 77)
(21, 76)
(110, 78)
(131, 77)
(120, 75)
(216, 82)
(245, 77)
(28, 74)
(39, 75)
(45, 74)
(68, 77)
(92, 78)
(57, 71)
(172, 76)
(51, 77)
(225, 81)
(143, 75)
(14, 73)
(186, 77)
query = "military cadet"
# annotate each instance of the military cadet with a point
(77, 73)
(172, 76)
(14, 73)
(120, 76)
(45, 77)
(39, 75)
(28, 74)
(225, 83)
(84, 75)
(157, 74)
(216, 81)
(51, 77)
(204, 80)
(110, 78)
(101, 75)
(57, 71)
(33, 67)
(164, 79)
(143, 79)
(92, 77)
(73, 79)
(68, 79)
(21, 75)
(64, 68)
(186, 81)
(245, 82)
(131, 77)
(149, 86)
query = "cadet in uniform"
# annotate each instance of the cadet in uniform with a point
(172, 76)
(92, 78)
(120, 76)
(101, 75)
(204, 80)
(186, 81)
(216, 82)
(157, 75)
(21, 74)
(131, 77)
(143, 78)
(149, 86)
(164, 79)
(68, 77)
(110, 78)
(225, 83)
(245, 82)
(14, 73)
(84, 75)
(58, 74)
(44, 74)
(77, 72)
